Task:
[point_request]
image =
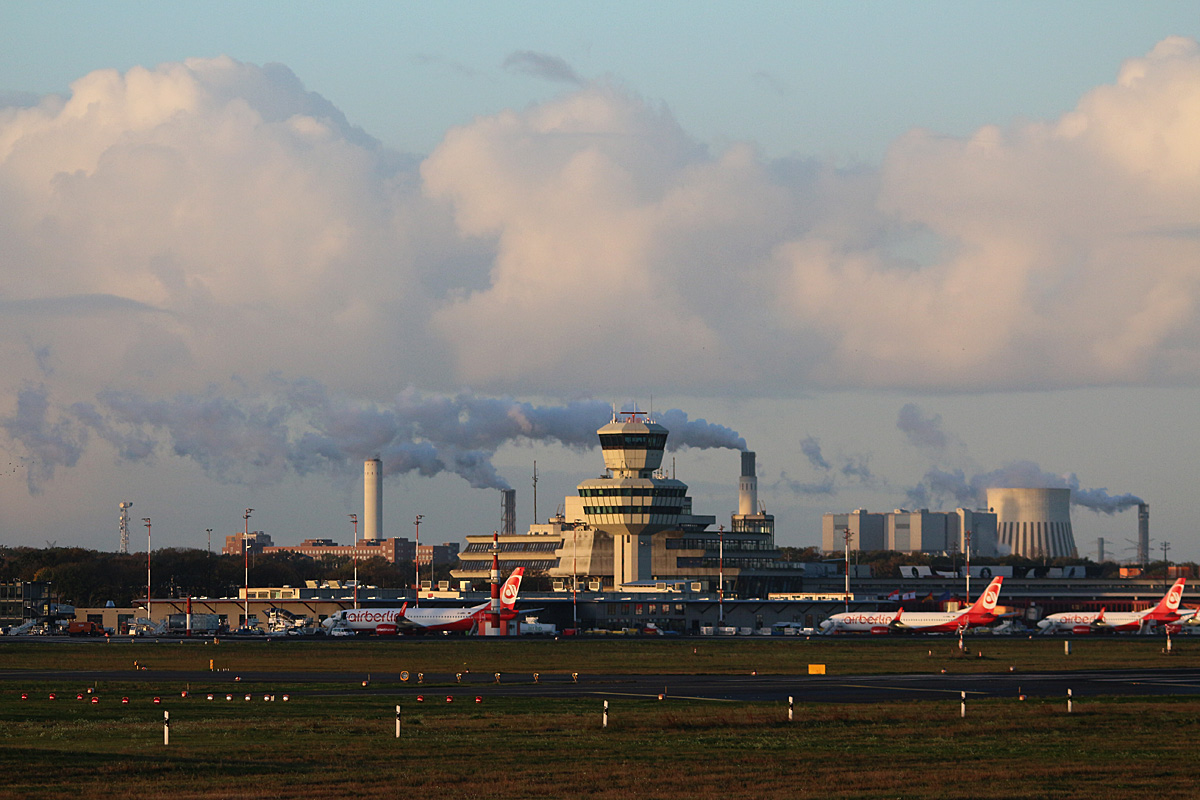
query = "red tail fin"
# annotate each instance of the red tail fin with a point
(1169, 605)
(987, 601)
(508, 592)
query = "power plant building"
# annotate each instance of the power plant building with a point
(919, 531)
(1035, 523)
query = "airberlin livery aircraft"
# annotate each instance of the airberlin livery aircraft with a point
(983, 612)
(421, 620)
(1165, 613)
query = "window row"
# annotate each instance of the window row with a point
(634, 491)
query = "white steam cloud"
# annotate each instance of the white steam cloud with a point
(302, 428)
(954, 485)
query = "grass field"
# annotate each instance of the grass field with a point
(330, 742)
(344, 746)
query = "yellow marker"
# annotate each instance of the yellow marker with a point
(816, 669)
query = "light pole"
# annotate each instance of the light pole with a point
(575, 579)
(148, 610)
(721, 575)
(846, 536)
(417, 558)
(209, 532)
(246, 559)
(354, 519)
(968, 567)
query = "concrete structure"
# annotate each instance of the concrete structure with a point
(633, 502)
(1035, 523)
(372, 499)
(751, 518)
(634, 531)
(867, 531)
(917, 531)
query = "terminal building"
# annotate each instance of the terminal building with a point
(634, 529)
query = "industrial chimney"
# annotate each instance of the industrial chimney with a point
(1143, 547)
(508, 518)
(372, 499)
(748, 485)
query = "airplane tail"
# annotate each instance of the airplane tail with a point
(986, 604)
(1169, 605)
(508, 592)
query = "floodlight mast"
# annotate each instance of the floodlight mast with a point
(417, 558)
(246, 560)
(354, 520)
(148, 614)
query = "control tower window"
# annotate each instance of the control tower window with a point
(633, 441)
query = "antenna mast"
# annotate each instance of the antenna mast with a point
(535, 479)
(125, 506)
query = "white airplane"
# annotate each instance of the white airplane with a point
(1165, 613)
(390, 621)
(983, 612)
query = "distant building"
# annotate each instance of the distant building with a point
(919, 531)
(393, 551)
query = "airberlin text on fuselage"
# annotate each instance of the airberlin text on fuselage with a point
(369, 615)
(868, 619)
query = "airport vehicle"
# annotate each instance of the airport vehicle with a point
(1165, 613)
(391, 621)
(84, 628)
(982, 612)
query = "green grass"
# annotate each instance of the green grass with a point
(768, 655)
(343, 746)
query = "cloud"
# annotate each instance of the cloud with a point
(225, 221)
(541, 65)
(921, 430)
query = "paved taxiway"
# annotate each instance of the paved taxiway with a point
(736, 688)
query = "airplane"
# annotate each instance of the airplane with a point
(390, 621)
(983, 612)
(1165, 613)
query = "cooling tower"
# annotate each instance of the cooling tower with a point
(748, 485)
(1035, 523)
(372, 499)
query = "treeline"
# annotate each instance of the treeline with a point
(89, 578)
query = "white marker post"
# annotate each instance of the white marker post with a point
(604, 724)
(1069, 703)
(789, 708)
(166, 727)
(397, 722)
(963, 710)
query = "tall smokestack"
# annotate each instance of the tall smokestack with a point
(508, 518)
(1143, 547)
(748, 485)
(372, 498)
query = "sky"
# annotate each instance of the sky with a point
(903, 252)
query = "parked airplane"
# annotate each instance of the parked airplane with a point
(1165, 613)
(387, 621)
(983, 612)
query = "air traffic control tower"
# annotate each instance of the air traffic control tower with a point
(633, 502)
